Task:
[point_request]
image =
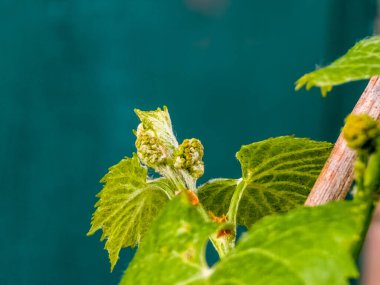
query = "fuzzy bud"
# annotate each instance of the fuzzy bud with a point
(361, 131)
(155, 141)
(149, 147)
(189, 157)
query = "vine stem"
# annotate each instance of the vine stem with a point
(337, 175)
(235, 201)
(225, 243)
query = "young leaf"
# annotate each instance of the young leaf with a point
(360, 62)
(311, 246)
(127, 205)
(278, 174)
(174, 250)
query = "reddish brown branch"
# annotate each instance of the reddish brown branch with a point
(337, 174)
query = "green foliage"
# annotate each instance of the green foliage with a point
(174, 249)
(278, 174)
(293, 246)
(296, 248)
(129, 201)
(360, 62)
(127, 205)
(312, 246)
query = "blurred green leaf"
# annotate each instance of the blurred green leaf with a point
(173, 251)
(360, 62)
(309, 245)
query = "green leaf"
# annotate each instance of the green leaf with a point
(215, 195)
(360, 62)
(312, 246)
(127, 205)
(174, 249)
(278, 174)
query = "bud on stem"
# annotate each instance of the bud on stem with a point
(362, 134)
(158, 148)
(155, 141)
(189, 157)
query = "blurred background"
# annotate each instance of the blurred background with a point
(71, 73)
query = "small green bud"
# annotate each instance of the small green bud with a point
(149, 147)
(189, 157)
(155, 141)
(361, 132)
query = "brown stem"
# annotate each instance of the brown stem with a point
(337, 174)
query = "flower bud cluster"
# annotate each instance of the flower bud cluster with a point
(361, 131)
(189, 157)
(150, 149)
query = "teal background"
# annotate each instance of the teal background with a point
(71, 73)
